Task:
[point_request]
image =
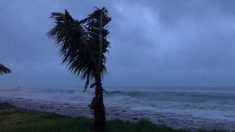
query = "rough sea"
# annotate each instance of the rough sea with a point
(201, 105)
(205, 103)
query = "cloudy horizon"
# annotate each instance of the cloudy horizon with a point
(153, 43)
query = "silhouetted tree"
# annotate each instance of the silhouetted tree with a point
(4, 69)
(83, 45)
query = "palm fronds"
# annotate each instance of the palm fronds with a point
(4, 69)
(79, 43)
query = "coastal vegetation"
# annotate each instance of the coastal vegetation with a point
(83, 45)
(13, 119)
(4, 69)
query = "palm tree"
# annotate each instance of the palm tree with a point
(4, 69)
(83, 45)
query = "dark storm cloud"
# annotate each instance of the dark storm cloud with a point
(153, 43)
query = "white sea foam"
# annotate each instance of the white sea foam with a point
(205, 104)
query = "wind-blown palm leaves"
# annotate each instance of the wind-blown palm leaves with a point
(4, 69)
(79, 42)
(83, 45)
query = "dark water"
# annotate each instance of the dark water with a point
(205, 103)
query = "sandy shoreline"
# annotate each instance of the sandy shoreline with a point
(75, 110)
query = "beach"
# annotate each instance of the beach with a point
(176, 120)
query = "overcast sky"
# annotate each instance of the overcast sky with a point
(153, 43)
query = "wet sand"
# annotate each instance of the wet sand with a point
(81, 110)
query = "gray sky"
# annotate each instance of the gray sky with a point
(153, 43)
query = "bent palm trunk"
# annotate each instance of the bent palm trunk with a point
(97, 102)
(83, 45)
(98, 107)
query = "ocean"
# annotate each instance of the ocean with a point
(208, 104)
(204, 103)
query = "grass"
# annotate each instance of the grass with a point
(19, 120)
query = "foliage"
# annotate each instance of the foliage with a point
(4, 69)
(79, 42)
(19, 120)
